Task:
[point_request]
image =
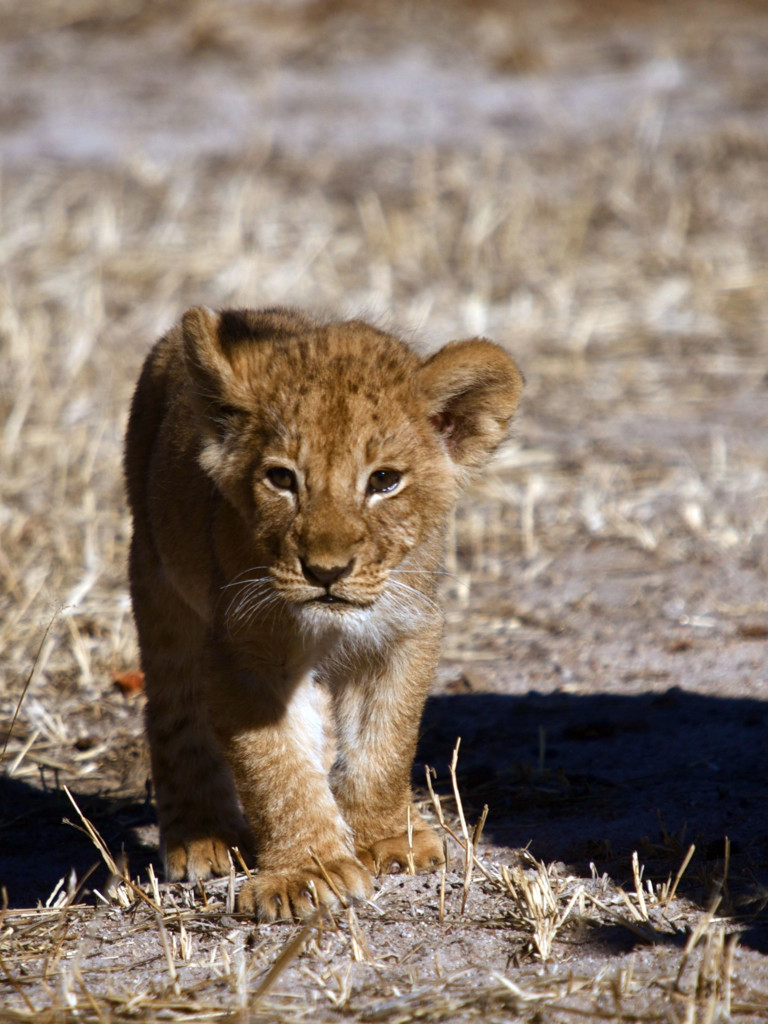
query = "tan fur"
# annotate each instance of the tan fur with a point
(244, 664)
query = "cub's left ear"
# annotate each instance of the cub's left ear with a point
(473, 388)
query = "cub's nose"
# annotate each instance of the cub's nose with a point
(322, 577)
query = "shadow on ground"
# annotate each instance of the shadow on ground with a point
(582, 779)
(590, 779)
(42, 840)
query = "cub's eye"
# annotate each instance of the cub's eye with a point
(383, 481)
(281, 478)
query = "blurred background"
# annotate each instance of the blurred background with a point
(582, 180)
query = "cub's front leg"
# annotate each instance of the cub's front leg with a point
(378, 717)
(273, 738)
(197, 806)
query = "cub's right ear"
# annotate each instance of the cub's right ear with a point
(209, 369)
(215, 392)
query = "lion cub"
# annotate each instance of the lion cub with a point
(290, 483)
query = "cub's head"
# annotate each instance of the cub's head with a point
(343, 452)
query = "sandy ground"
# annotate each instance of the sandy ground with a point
(587, 183)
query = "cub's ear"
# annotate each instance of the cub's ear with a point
(473, 388)
(207, 365)
(215, 391)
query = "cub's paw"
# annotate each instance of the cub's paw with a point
(394, 855)
(197, 859)
(282, 895)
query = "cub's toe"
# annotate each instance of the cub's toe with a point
(297, 893)
(394, 855)
(196, 859)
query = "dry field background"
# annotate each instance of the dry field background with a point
(585, 182)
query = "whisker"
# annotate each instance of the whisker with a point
(251, 594)
(239, 581)
(256, 598)
(405, 588)
(421, 572)
(261, 608)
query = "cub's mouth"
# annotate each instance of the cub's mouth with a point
(339, 604)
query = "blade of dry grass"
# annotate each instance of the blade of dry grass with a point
(288, 954)
(27, 682)
(107, 857)
(460, 842)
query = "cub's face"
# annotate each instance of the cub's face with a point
(342, 451)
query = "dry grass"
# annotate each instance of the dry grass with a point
(627, 275)
(195, 958)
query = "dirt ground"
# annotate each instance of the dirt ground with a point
(585, 182)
